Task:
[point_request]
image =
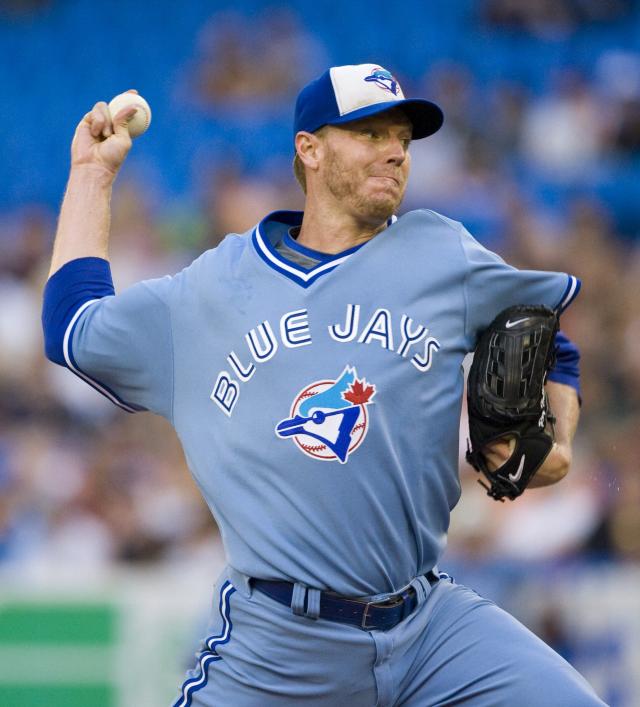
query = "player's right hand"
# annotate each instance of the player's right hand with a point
(100, 142)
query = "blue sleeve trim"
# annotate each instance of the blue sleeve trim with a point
(67, 294)
(76, 283)
(570, 293)
(566, 369)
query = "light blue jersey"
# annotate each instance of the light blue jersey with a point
(318, 409)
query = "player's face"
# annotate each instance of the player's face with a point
(366, 164)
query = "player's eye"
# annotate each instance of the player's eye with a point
(370, 133)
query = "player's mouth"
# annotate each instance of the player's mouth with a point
(386, 179)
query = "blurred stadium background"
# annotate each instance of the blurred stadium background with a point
(107, 553)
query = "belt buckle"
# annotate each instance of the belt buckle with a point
(389, 603)
(365, 616)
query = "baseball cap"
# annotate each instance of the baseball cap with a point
(345, 93)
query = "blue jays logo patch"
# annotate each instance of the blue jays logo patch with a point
(329, 418)
(384, 79)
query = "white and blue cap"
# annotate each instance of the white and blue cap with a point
(346, 93)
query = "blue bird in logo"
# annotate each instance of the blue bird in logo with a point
(384, 79)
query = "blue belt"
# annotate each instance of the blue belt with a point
(367, 615)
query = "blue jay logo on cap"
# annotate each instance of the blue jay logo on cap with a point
(329, 418)
(384, 79)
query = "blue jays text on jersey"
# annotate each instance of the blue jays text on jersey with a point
(397, 335)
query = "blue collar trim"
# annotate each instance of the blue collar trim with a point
(269, 231)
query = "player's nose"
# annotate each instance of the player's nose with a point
(396, 151)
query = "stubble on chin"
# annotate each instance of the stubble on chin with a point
(345, 186)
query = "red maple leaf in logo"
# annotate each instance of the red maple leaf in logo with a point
(359, 392)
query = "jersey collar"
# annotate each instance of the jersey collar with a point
(275, 227)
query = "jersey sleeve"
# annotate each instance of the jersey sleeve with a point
(492, 285)
(122, 346)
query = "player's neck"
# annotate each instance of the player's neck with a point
(331, 231)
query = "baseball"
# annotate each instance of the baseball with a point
(141, 119)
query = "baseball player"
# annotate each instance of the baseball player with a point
(312, 370)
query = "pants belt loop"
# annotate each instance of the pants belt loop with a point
(298, 599)
(313, 603)
(421, 592)
(423, 588)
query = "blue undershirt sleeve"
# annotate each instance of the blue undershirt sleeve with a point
(566, 369)
(75, 283)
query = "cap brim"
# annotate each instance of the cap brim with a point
(426, 117)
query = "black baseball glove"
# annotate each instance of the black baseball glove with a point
(506, 397)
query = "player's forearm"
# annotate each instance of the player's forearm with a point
(563, 401)
(85, 216)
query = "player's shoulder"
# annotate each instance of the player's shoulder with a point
(432, 234)
(428, 218)
(223, 255)
(231, 246)
(211, 267)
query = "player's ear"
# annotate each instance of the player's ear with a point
(308, 149)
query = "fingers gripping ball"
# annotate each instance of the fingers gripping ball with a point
(141, 119)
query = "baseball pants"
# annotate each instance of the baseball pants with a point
(456, 648)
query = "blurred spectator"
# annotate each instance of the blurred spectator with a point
(554, 632)
(626, 138)
(562, 131)
(552, 18)
(545, 18)
(255, 60)
(17, 9)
